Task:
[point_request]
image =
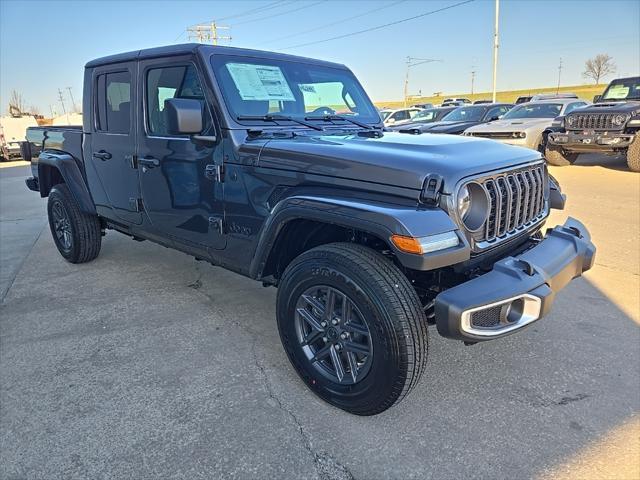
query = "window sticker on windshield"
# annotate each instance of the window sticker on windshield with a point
(260, 82)
(618, 92)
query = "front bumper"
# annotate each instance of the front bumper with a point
(519, 290)
(589, 142)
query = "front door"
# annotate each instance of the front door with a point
(181, 200)
(113, 140)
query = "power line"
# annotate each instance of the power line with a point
(208, 33)
(251, 11)
(344, 20)
(366, 30)
(278, 14)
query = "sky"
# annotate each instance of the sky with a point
(45, 44)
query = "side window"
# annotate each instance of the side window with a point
(113, 102)
(165, 83)
(493, 113)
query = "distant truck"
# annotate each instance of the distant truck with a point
(609, 126)
(12, 134)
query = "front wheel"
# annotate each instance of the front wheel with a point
(352, 326)
(633, 155)
(560, 158)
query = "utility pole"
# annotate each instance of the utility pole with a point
(412, 62)
(207, 33)
(73, 103)
(473, 80)
(495, 50)
(559, 73)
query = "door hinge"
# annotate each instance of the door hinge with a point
(135, 204)
(217, 223)
(214, 172)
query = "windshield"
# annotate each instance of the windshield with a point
(623, 90)
(261, 86)
(465, 114)
(384, 114)
(534, 110)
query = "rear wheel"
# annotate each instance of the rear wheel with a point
(633, 155)
(560, 158)
(352, 326)
(77, 235)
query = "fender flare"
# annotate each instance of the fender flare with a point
(377, 218)
(66, 165)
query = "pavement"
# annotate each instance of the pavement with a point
(148, 364)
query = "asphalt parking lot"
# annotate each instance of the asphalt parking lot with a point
(148, 364)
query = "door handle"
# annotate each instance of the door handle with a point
(149, 162)
(102, 155)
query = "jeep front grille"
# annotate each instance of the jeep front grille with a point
(516, 202)
(592, 121)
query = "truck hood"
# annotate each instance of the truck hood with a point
(515, 125)
(611, 107)
(394, 159)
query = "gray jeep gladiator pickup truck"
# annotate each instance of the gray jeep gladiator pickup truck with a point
(277, 167)
(610, 126)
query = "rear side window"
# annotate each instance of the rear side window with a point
(166, 83)
(113, 102)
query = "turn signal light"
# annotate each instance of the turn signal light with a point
(427, 244)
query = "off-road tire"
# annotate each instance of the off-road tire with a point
(85, 233)
(394, 317)
(559, 158)
(633, 154)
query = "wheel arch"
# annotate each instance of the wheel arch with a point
(300, 223)
(59, 167)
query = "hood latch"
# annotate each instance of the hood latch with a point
(431, 189)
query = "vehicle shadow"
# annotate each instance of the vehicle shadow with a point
(614, 162)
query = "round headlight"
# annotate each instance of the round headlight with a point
(570, 120)
(473, 205)
(464, 202)
(619, 120)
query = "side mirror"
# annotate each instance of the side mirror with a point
(391, 121)
(597, 98)
(184, 116)
(500, 116)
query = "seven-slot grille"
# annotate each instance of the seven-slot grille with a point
(517, 199)
(593, 121)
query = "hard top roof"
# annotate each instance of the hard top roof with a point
(189, 48)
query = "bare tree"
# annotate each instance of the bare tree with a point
(17, 104)
(34, 110)
(598, 67)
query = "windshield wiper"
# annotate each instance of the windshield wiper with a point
(328, 118)
(276, 118)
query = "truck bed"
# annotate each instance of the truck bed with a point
(62, 138)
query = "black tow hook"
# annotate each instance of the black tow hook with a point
(527, 267)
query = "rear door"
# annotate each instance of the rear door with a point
(182, 200)
(113, 139)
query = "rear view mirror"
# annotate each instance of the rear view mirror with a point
(184, 116)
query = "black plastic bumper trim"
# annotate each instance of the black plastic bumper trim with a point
(564, 254)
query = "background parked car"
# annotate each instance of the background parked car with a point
(390, 117)
(457, 101)
(461, 118)
(526, 124)
(423, 117)
(423, 105)
(523, 99)
(480, 102)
